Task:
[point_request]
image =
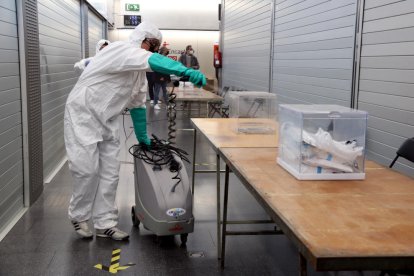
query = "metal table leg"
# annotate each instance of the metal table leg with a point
(302, 265)
(207, 110)
(194, 160)
(218, 206)
(226, 196)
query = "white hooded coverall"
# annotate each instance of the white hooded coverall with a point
(81, 65)
(114, 81)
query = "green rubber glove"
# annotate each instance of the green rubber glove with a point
(139, 119)
(165, 65)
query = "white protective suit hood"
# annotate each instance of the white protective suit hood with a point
(144, 30)
(100, 43)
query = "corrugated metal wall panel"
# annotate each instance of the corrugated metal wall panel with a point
(246, 44)
(11, 151)
(386, 78)
(314, 51)
(60, 48)
(95, 31)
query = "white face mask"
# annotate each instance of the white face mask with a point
(191, 52)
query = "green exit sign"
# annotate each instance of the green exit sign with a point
(132, 7)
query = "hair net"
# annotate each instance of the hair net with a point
(100, 43)
(144, 30)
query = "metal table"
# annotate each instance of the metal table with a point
(336, 225)
(190, 95)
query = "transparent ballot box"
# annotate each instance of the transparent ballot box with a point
(322, 141)
(255, 112)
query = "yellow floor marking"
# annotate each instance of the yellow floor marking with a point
(114, 266)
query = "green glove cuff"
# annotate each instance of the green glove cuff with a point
(139, 120)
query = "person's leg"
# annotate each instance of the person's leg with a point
(150, 80)
(84, 166)
(156, 93)
(165, 94)
(105, 210)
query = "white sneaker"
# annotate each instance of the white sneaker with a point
(82, 229)
(157, 106)
(152, 102)
(113, 233)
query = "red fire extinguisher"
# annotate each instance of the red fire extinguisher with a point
(217, 56)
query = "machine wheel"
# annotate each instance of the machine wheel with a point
(135, 220)
(183, 239)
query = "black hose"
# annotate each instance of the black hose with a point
(161, 153)
(172, 115)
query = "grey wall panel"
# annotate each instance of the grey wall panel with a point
(389, 23)
(388, 11)
(60, 49)
(402, 89)
(369, 4)
(403, 117)
(9, 121)
(95, 31)
(9, 69)
(8, 5)
(338, 43)
(315, 81)
(313, 55)
(314, 90)
(9, 96)
(310, 72)
(389, 75)
(8, 29)
(246, 44)
(398, 62)
(400, 35)
(386, 78)
(389, 49)
(311, 16)
(11, 171)
(317, 27)
(11, 196)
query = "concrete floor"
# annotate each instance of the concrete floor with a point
(43, 242)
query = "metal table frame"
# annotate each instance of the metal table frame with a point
(218, 172)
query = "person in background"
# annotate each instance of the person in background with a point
(81, 65)
(188, 59)
(113, 81)
(151, 84)
(161, 81)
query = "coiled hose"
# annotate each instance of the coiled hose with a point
(172, 115)
(161, 153)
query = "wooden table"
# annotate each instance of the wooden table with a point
(190, 95)
(336, 225)
(220, 132)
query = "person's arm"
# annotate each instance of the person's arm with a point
(137, 108)
(165, 65)
(139, 120)
(182, 59)
(81, 65)
(195, 65)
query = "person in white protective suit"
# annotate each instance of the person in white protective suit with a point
(115, 80)
(81, 65)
